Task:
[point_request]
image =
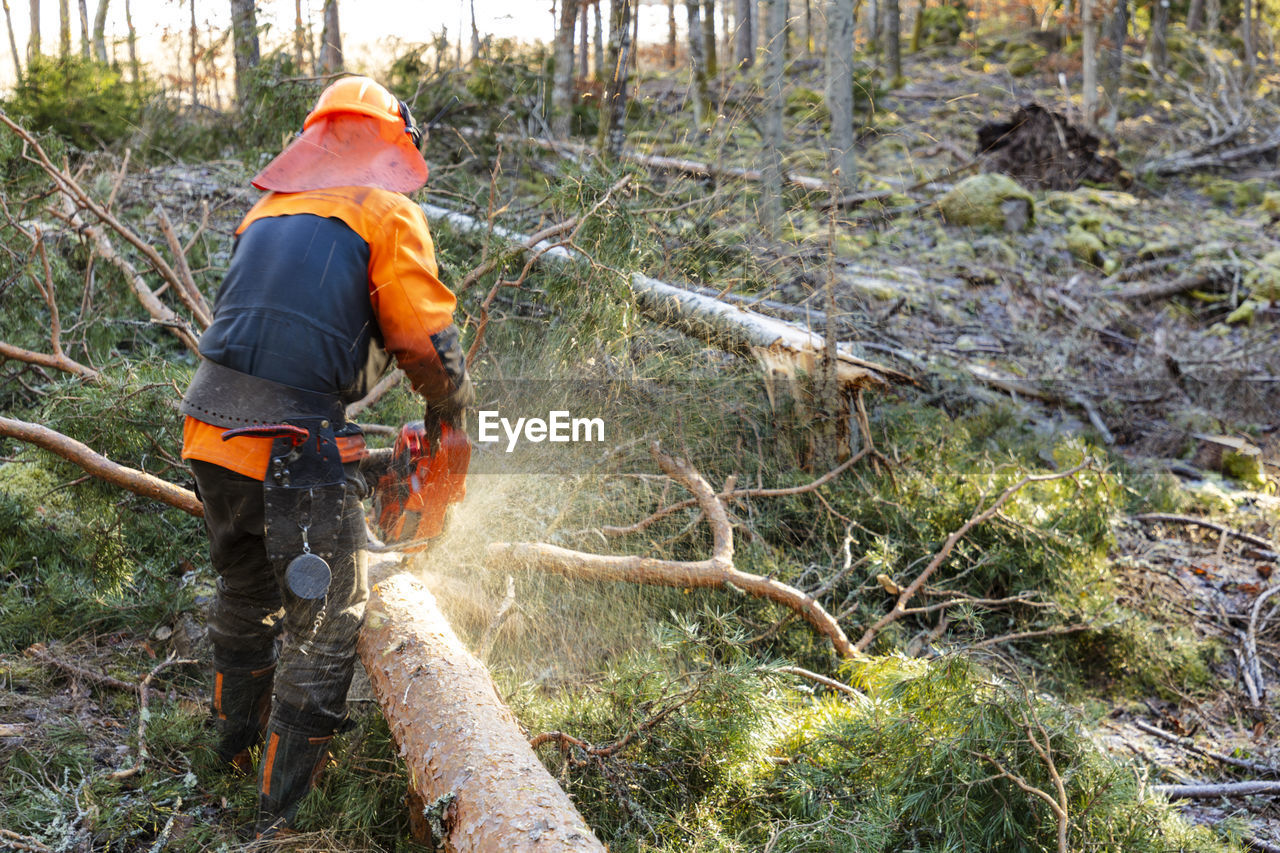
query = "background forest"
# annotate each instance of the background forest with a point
(964, 317)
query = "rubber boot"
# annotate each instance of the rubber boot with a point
(241, 706)
(291, 764)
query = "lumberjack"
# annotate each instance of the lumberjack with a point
(333, 274)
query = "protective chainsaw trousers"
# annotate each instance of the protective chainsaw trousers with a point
(254, 613)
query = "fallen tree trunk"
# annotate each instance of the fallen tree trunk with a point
(467, 758)
(138, 482)
(783, 347)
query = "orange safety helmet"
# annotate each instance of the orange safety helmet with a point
(358, 134)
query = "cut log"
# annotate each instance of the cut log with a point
(464, 749)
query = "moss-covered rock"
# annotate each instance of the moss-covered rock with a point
(992, 200)
(1263, 280)
(1085, 245)
(1025, 59)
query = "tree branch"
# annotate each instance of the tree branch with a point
(138, 482)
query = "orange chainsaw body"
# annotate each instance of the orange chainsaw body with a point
(413, 496)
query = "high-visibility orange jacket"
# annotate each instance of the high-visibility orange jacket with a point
(324, 288)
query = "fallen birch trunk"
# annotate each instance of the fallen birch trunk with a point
(783, 347)
(467, 757)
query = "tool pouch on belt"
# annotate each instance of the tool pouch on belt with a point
(303, 493)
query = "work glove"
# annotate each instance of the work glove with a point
(451, 410)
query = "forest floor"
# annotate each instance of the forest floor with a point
(985, 315)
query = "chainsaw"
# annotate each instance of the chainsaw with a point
(414, 493)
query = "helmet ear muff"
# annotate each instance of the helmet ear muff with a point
(410, 127)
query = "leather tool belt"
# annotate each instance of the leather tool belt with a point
(225, 397)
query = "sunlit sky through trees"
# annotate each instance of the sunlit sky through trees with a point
(370, 28)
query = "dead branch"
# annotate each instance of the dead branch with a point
(1186, 162)
(159, 312)
(185, 284)
(67, 185)
(735, 494)
(716, 571)
(1171, 518)
(138, 482)
(41, 653)
(499, 619)
(1023, 635)
(606, 750)
(57, 359)
(675, 164)
(1251, 647)
(821, 679)
(144, 715)
(375, 394)
(1186, 743)
(1223, 789)
(1163, 289)
(22, 842)
(899, 609)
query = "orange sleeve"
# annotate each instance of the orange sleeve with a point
(408, 298)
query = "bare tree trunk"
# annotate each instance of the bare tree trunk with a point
(64, 29)
(195, 57)
(597, 35)
(771, 190)
(892, 31)
(1247, 36)
(614, 109)
(917, 27)
(1213, 16)
(100, 32)
(299, 55)
(744, 43)
(840, 155)
(709, 37)
(33, 43)
(810, 43)
(135, 72)
(244, 27)
(475, 33)
(698, 70)
(458, 739)
(1117, 31)
(873, 21)
(562, 79)
(584, 42)
(13, 43)
(635, 40)
(671, 33)
(84, 29)
(1157, 50)
(1195, 16)
(331, 40)
(1090, 61)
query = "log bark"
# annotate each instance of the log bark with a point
(456, 736)
(784, 348)
(138, 482)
